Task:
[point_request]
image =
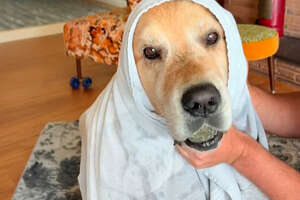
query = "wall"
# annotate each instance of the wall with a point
(118, 3)
(292, 18)
(246, 11)
(31, 32)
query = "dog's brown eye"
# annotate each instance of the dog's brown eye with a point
(212, 38)
(151, 53)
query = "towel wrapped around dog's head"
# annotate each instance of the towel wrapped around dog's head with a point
(127, 151)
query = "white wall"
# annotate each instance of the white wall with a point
(119, 3)
(31, 32)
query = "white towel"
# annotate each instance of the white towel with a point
(127, 152)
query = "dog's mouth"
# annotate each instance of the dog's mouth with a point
(206, 145)
(206, 138)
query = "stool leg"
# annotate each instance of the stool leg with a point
(78, 68)
(271, 66)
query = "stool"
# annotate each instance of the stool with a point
(260, 42)
(97, 37)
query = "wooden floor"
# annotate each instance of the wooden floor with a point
(34, 85)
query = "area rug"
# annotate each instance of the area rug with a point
(52, 170)
(16, 14)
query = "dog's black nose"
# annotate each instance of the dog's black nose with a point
(201, 100)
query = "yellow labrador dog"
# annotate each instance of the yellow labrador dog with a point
(180, 52)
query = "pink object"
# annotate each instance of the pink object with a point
(277, 19)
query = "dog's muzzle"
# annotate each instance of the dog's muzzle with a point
(201, 102)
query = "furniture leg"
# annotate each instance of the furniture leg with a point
(271, 66)
(78, 68)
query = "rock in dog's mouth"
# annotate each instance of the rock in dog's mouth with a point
(205, 139)
(205, 145)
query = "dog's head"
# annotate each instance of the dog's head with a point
(181, 57)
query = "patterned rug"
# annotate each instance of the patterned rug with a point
(19, 13)
(52, 170)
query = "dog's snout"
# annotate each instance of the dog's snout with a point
(201, 100)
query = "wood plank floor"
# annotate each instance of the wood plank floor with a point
(34, 85)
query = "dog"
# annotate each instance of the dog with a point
(181, 57)
(179, 80)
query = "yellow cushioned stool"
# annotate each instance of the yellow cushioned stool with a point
(260, 42)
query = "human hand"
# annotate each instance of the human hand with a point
(231, 148)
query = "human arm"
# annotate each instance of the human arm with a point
(276, 179)
(279, 113)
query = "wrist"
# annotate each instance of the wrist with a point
(244, 145)
(248, 153)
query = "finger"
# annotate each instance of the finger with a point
(197, 154)
(199, 164)
(191, 156)
(182, 151)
